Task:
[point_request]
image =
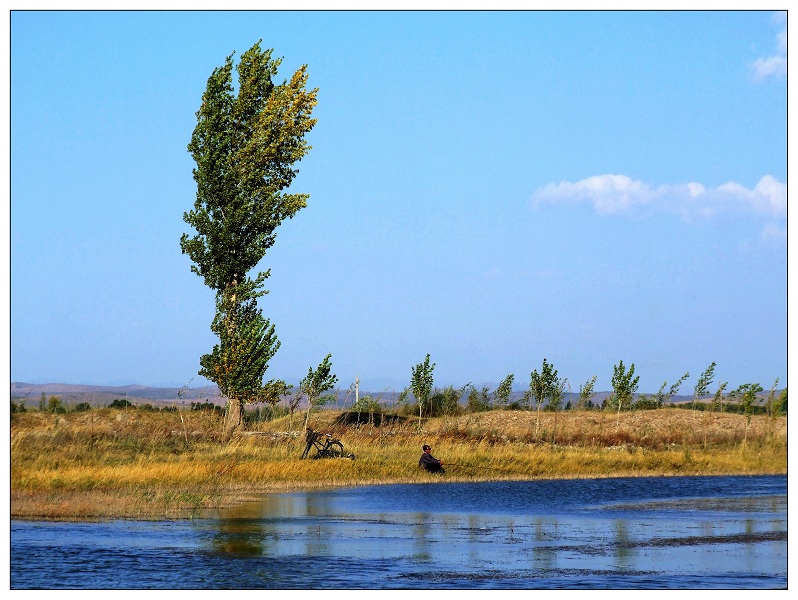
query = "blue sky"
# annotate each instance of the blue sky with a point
(491, 188)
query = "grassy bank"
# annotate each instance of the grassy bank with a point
(112, 463)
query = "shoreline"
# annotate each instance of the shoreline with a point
(239, 497)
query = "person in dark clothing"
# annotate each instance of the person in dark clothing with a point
(429, 462)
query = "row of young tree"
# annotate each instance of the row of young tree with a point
(547, 391)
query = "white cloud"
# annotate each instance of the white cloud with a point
(614, 194)
(775, 65)
(772, 65)
(609, 194)
(774, 232)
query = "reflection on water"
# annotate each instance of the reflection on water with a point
(623, 553)
(715, 533)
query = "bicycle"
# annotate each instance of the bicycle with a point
(325, 446)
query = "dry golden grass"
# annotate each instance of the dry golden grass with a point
(115, 463)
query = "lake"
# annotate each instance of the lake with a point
(619, 533)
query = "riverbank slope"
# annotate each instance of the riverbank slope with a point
(115, 463)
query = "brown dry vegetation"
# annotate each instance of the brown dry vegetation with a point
(112, 463)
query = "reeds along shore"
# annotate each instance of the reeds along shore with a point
(112, 463)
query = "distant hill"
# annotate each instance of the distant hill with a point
(98, 395)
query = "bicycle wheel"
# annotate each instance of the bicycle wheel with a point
(336, 450)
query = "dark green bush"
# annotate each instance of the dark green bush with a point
(207, 406)
(120, 403)
(646, 403)
(444, 402)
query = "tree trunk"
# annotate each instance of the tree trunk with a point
(537, 422)
(554, 433)
(307, 415)
(233, 416)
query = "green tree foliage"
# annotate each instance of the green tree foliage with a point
(674, 389)
(747, 393)
(624, 386)
(702, 385)
(731, 398)
(771, 399)
(206, 406)
(555, 394)
(316, 383)
(43, 402)
(20, 406)
(717, 402)
(780, 407)
(503, 391)
(238, 363)
(245, 146)
(446, 402)
(478, 400)
(646, 402)
(586, 392)
(717, 399)
(366, 404)
(663, 396)
(421, 384)
(54, 405)
(534, 395)
(543, 387)
(403, 402)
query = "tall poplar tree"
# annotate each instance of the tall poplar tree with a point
(245, 146)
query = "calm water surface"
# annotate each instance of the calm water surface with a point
(676, 533)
